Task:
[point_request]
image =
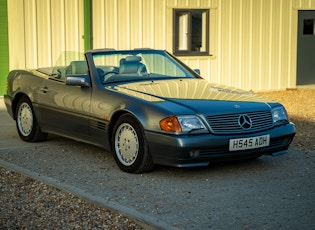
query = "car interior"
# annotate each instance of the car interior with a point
(128, 66)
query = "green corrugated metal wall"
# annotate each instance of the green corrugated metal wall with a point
(4, 47)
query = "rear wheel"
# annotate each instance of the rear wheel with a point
(130, 148)
(26, 122)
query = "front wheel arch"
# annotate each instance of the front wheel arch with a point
(139, 160)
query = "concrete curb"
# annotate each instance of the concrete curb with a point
(145, 221)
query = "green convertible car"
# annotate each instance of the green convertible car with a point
(148, 108)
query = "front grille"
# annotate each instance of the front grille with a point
(229, 124)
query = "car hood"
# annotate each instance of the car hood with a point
(198, 95)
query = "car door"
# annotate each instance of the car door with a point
(64, 109)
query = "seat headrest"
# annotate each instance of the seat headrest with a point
(130, 65)
(133, 59)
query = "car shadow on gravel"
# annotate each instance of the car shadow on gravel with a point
(89, 152)
(305, 133)
(217, 169)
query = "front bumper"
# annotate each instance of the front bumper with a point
(200, 150)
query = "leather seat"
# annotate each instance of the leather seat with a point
(132, 65)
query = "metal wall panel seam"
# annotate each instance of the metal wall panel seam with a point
(140, 24)
(250, 46)
(260, 47)
(289, 46)
(229, 82)
(270, 45)
(240, 53)
(219, 49)
(153, 24)
(280, 46)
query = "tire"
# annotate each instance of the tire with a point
(26, 122)
(130, 149)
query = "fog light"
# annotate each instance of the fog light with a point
(194, 153)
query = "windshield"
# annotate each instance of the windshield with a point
(69, 62)
(137, 65)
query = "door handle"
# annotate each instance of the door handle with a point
(44, 89)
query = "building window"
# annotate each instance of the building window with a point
(309, 27)
(191, 33)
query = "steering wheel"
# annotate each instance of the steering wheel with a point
(109, 75)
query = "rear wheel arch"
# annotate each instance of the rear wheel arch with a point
(16, 101)
(26, 122)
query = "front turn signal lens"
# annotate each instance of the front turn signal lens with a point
(170, 124)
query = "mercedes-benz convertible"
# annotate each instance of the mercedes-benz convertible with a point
(146, 107)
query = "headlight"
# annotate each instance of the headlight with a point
(178, 124)
(189, 123)
(279, 114)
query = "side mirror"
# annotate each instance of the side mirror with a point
(78, 80)
(197, 71)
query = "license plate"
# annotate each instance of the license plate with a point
(249, 143)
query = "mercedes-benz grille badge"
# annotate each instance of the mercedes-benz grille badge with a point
(244, 121)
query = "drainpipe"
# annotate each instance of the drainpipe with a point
(88, 27)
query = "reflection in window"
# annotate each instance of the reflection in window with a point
(309, 27)
(183, 31)
(191, 32)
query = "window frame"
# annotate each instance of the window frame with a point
(189, 51)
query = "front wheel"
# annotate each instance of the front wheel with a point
(130, 148)
(26, 122)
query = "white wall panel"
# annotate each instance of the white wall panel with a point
(136, 26)
(40, 30)
(30, 31)
(43, 33)
(129, 24)
(147, 24)
(160, 21)
(252, 42)
(73, 31)
(257, 42)
(98, 15)
(57, 9)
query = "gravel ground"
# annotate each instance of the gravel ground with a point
(30, 204)
(27, 203)
(300, 105)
